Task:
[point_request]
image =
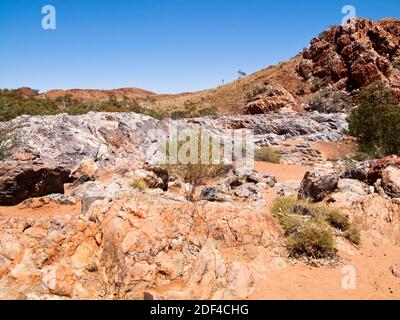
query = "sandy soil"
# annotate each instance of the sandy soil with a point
(374, 279)
(38, 209)
(334, 151)
(283, 173)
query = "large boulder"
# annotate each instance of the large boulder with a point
(272, 98)
(19, 182)
(316, 187)
(378, 167)
(391, 181)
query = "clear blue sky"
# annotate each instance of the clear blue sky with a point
(165, 46)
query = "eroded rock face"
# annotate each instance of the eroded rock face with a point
(138, 244)
(358, 53)
(19, 182)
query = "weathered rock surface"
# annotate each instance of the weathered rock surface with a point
(391, 181)
(138, 244)
(316, 187)
(139, 136)
(272, 98)
(19, 182)
(356, 54)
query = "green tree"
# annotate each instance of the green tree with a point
(375, 122)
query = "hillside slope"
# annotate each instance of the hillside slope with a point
(331, 70)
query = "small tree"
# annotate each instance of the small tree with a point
(194, 173)
(376, 120)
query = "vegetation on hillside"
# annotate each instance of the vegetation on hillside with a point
(375, 122)
(310, 227)
(14, 103)
(329, 100)
(266, 154)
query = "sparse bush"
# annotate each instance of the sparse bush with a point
(375, 122)
(139, 184)
(309, 227)
(14, 103)
(314, 239)
(195, 173)
(266, 154)
(255, 91)
(301, 89)
(192, 111)
(330, 100)
(318, 83)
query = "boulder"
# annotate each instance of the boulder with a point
(353, 186)
(19, 182)
(377, 168)
(213, 194)
(316, 187)
(272, 98)
(248, 191)
(357, 172)
(391, 181)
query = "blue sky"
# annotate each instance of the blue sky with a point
(166, 46)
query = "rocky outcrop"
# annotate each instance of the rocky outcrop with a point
(122, 139)
(316, 187)
(244, 184)
(391, 181)
(19, 182)
(272, 98)
(377, 167)
(356, 54)
(139, 245)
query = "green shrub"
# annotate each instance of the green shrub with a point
(139, 184)
(318, 83)
(375, 122)
(195, 173)
(14, 103)
(314, 239)
(192, 111)
(255, 91)
(330, 101)
(266, 154)
(309, 227)
(353, 234)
